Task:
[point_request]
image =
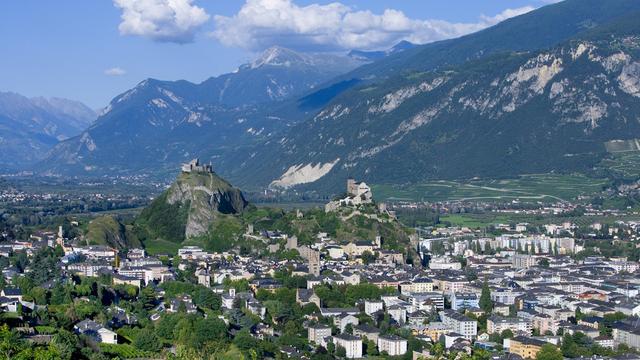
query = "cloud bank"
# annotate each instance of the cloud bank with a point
(263, 23)
(115, 71)
(161, 20)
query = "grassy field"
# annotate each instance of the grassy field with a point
(160, 246)
(546, 187)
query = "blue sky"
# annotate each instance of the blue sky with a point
(85, 50)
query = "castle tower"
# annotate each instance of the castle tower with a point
(352, 187)
(314, 263)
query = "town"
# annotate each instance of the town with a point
(516, 291)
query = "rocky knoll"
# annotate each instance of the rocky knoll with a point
(189, 207)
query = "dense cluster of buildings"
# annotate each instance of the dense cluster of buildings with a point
(538, 288)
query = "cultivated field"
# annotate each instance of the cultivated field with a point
(545, 187)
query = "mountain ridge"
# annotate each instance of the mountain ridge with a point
(499, 116)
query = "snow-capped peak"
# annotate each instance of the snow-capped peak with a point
(278, 56)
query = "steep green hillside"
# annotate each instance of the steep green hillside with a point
(107, 230)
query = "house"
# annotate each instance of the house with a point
(96, 331)
(352, 345)
(626, 333)
(628, 308)
(497, 324)
(398, 313)
(354, 249)
(463, 301)
(12, 293)
(90, 268)
(204, 278)
(307, 296)
(418, 285)
(525, 347)
(372, 306)
(331, 312)
(335, 252)
(501, 309)
(435, 330)
(417, 317)
(604, 341)
(451, 338)
(460, 324)
(182, 301)
(350, 278)
(228, 299)
(318, 334)
(343, 320)
(9, 305)
(366, 331)
(313, 281)
(256, 308)
(591, 321)
(126, 280)
(392, 345)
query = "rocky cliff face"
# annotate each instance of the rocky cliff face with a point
(206, 196)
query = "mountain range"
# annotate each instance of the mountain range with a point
(30, 127)
(158, 124)
(539, 92)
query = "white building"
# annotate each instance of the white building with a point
(460, 324)
(393, 345)
(371, 306)
(352, 345)
(318, 334)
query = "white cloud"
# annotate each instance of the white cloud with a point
(115, 71)
(161, 20)
(335, 26)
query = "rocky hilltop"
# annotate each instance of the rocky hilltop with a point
(190, 206)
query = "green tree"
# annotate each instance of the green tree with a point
(372, 350)
(66, 343)
(244, 341)
(147, 340)
(368, 257)
(10, 343)
(208, 299)
(549, 352)
(147, 298)
(506, 334)
(569, 348)
(544, 262)
(486, 304)
(341, 352)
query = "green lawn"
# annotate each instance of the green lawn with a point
(160, 246)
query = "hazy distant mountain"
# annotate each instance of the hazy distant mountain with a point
(159, 124)
(31, 127)
(377, 55)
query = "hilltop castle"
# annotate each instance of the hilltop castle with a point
(358, 193)
(195, 166)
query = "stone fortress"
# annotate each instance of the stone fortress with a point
(195, 166)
